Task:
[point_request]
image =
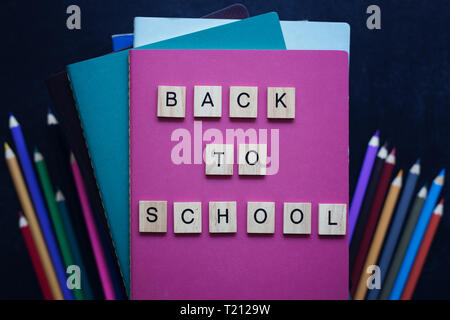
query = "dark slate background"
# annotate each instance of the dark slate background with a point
(399, 83)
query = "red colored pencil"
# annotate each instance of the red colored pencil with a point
(423, 252)
(373, 219)
(35, 260)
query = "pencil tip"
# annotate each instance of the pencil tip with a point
(377, 133)
(440, 178)
(439, 210)
(37, 155)
(393, 152)
(13, 121)
(72, 157)
(59, 195)
(51, 119)
(8, 151)
(415, 168)
(400, 173)
(423, 192)
(23, 222)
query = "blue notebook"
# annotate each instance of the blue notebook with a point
(298, 35)
(100, 88)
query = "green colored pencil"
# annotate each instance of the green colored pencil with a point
(75, 248)
(55, 214)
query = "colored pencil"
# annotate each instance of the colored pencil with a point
(34, 256)
(423, 252)
(39, 206)
(73, 242)
(367, 205)
(28, 209)
(372, 220)
(55, 215)
(417, 236)
(99, 255)
(378, 238)
(57, 152)
(389, 274)
(363, 180)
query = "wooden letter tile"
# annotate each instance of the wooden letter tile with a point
(252, 159)
(171, 101)
(280, 103)
(187, 217)
(332, 219)
(222, 217)
(297, 218)
(260, 217)
(152, 216)
(207, 101)
(219, 159)
(243, 102)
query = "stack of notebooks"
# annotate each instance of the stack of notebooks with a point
(124, 154)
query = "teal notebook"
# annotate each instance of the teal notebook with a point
(100, 88)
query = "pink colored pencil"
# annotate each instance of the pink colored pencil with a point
(99, 255)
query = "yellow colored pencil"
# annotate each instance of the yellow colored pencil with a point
(35, 229)
(380, 233)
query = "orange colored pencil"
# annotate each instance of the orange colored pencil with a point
(380, 233)
(423, 252)
(28, 210)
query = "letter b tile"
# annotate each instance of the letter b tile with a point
(171, 101)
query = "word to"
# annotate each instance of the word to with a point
(187, 217)
(243, 102)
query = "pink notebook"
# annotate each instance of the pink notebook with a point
(309, 163)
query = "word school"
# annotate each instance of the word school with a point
(243, 102)
(187, 217)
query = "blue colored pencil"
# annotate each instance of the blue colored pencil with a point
(417, 236)
(396, 226)
(73, 243)
(39, 205)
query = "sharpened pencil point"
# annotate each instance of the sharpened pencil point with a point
(398, 179)
(12, 121)
(439, 208)
(59, 195)
(423, 192)
(8, 151)
(37, 155)
(383, 153)
(374, 141)
(72, 157)
(51, 119)
(440, 178)
(377, 133)
(391, 158)
(415, 168)
(23, 222)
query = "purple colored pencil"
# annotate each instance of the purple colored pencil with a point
(363, 180)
